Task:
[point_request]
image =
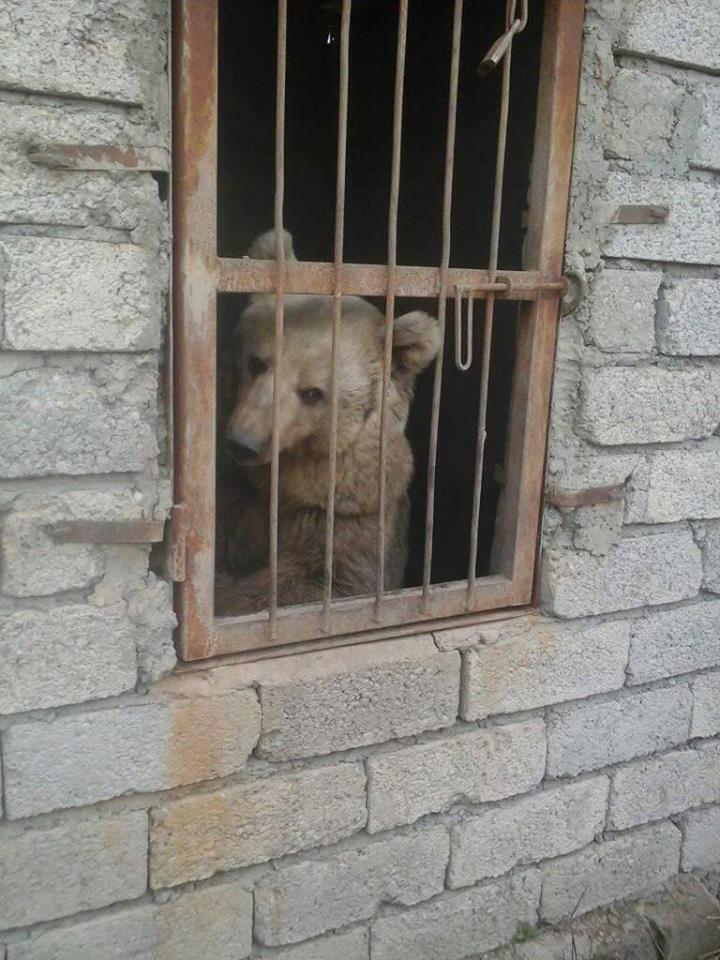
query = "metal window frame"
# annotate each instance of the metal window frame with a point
(199, 274)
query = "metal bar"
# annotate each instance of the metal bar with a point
(490, 304)
(442, 301)
(107, 531)
(390, 295)
(82, 156)
(357, 614)
(279, 306)
(371, 280)
(337, 301)
(195, 45)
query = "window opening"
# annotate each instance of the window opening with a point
(437, 177)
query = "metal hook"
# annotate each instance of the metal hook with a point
(501, 46)
(463, 365)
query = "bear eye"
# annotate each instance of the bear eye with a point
(312, 396)
(256, 366)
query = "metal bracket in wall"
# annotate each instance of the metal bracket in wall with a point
(589, 497)
(639, 213)
(176, 543)
(107, 531)
(109, 158)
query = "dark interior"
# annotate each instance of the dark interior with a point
(245, 198)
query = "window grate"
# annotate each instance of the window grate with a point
(200, 274)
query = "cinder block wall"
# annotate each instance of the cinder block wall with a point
(433, 796)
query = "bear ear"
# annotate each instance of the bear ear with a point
(264, 247)
(416, 341)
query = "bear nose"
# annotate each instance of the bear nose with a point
(243, 448)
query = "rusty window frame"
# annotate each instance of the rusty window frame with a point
(199, 274)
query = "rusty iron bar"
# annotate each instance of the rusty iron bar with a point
(490, 305)
(110, 157)
(390, 296)
(279, 307)
(371, 280)
(442, 301)
(337, 302)
(107, 531)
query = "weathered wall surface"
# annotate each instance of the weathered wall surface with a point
(436, 796)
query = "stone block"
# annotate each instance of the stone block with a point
(711, 558)
(352, 945)
(706, 709)
(644, 110)
(311, 898)
(621, 311)
(532, 665)
(649, 404)
(334, 700)
(547, 824)
(215, 922)
(639, 571)
(689, 317)
(672, 642)
(64, 655)
(701, 847)
(79, 295)
(662, 30)
(664, 786)
(77, 760)
(707, 151)
(31, 193)
(459, 925)
(56, 872)
(34, 564)
(473, 767)
(691, 232)
(255, 821)
(587, 736)
(677, 485)
(626, 866)
(77, 49)
(69, 420)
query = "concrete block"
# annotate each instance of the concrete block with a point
(643, 113)
(621, 311)
(649, 404)
(34, 564)
(689, 316)
(706, 709)
(459, 925)
(77, 760)
(78, 50)
(707, 151)
(546, 824)
(662, 30)
(352, 945)
(626, 866)
(587, 736)
(30, 193)
(64, 655)
(52, 873)
(663, 786)
(638, 571)
(255, 821)
(79, 295)
(311, 898)
(320, 703)
(701, 846)
(691, 232)
(675, 641)
(215, 922)
(711, 558)
(65, 420)
(677, 485)
(473, 767)
(528, 666)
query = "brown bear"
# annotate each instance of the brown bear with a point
(243, 580)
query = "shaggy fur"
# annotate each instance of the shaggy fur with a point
(304, 425)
